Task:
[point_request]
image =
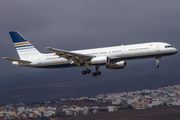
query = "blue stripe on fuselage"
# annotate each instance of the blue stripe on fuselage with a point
(58, 65)
(141, 57)
(112, 60)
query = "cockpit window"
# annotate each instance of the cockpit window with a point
(168, 46)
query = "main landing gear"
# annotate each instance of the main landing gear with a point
(87, 71)
(97, 72)
(157, 62)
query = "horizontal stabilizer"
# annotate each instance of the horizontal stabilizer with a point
(11, 59)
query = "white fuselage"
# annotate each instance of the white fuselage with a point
(115, 54)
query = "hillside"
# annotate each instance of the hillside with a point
(160, 113)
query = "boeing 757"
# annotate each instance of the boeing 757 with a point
(115, 57)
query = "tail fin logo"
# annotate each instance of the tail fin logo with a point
(23, 44)
(23, 47)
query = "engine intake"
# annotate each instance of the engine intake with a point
(117, 65)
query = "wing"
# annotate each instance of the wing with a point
(76, 57)
(11, 59)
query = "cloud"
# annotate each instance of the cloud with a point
(80, 24)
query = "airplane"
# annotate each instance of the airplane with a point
(115, 57)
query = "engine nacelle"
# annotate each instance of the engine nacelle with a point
(19, 63)
(15, 63)
(117, 65)
(102, 60)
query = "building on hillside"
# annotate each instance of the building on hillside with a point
(34, 115)
(112, 108)
(21, 109)
(48, 113)
(94, 111)
(130, 101)
(102, 96)
(14, 109)
(41, 109)
(69, 113)
(24, 116)
(2, 108)
(6, 114)
(124, 102)
(2, 118)
(116, 101)
(11, 116)
(155, 103)
(1, 114)
(141, 107)
(176, 103)
(85, 110)
(15, 116)
(20, 116)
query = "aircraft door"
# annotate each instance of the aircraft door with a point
(39, 60)
(125, 51)
(157, 48)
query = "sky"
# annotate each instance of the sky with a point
(81, 24)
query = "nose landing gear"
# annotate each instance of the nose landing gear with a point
(157, 62)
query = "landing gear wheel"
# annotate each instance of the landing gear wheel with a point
(157, 61)
(94, 74)
(84, 72)
(157, 66)
(88, 71)
(98, 73)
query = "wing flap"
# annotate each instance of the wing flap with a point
(12, 59)
(77, 58)
(68, 54)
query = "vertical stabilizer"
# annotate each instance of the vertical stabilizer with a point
(24, 49)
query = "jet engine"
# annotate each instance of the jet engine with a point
(117, 65)
(102, 60)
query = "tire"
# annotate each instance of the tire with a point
(98, 73)
(88, 71)
(94, 74)
(84, 72)
(157, 66)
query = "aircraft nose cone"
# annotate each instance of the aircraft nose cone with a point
(176, 50)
